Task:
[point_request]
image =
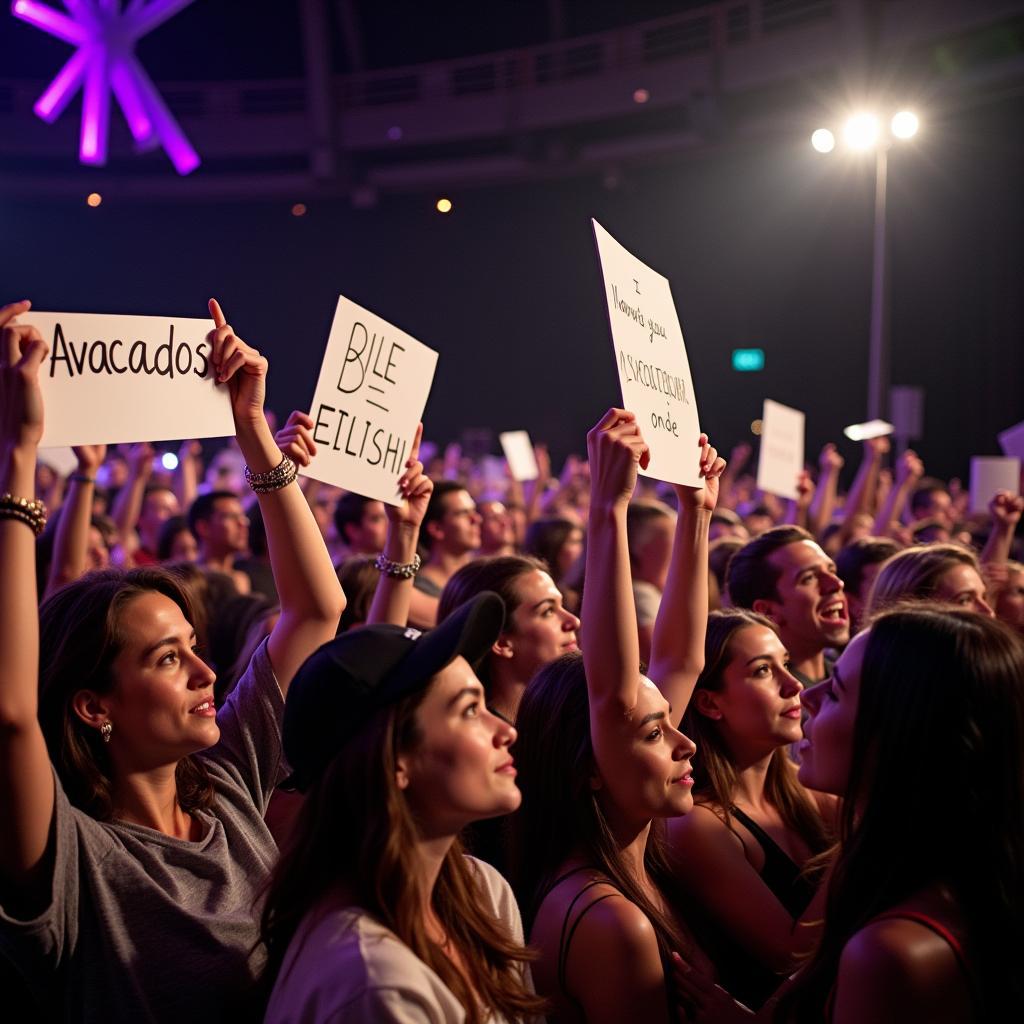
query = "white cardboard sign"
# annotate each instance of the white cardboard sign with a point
(782, 449)
(1011, 441)
(373, 386)
(654, 373)
(109, 379)
(63, 461)
(518, 449)
(867, 431)
(990, 474)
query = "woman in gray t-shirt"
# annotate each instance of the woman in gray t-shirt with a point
(130, 864)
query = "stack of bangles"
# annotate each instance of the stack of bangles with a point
(31, 513)
(280, 476)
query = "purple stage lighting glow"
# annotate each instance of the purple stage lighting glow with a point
(105, 62)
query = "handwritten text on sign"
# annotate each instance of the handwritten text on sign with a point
(109, 379)
(373, 386)
(654, 373)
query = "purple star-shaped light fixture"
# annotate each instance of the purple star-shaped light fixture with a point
(105, 60)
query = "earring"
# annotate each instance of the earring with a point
(105, 730)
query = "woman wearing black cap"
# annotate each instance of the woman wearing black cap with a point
(374, 913)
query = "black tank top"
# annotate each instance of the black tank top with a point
(742, 975)
(570, 924)
(780, 872)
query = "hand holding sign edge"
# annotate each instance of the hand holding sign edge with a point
(22, 351)
(230, 355)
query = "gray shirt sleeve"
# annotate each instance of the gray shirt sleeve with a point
(249, 750)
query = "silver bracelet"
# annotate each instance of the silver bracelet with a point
(280, 476)
(400, 570)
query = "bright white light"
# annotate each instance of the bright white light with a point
(861, 131)
(170, 460)
(904, 125)
(823, 140)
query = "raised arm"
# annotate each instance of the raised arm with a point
(311, 596)
(394, 593)
(186, 476)
(862, 491)
(128, 503)
(909, 469)
(738, 458)
(72, 540)
(830, 462)
(26, 781)
(797, 508)
(611, 648)
(1005, 509)
(677, 650)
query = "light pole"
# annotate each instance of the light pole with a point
(863, 133)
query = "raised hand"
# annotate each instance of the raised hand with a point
(140, 459)
(90, 457)
(22, 351)
(829, 459)
(1005, 509)
(712, 466)
(909, 468)
(876, 447)
(415, 487)
(240, 366)
(295, 438)
(617, 450)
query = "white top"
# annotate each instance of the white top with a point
(344, 967)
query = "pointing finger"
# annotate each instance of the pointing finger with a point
(217, 313)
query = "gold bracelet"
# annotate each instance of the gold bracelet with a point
(28, 511)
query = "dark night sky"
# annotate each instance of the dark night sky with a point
(766, 247)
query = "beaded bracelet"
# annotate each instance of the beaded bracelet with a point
(31, 513)
(280, 476)
(400, 570)
(82, 478)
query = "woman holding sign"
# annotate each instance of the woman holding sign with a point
(602, 761)
(131, 808)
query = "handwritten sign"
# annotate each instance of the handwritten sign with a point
(782, 449)
(1011, 441)
(654, 373)
(518, 449)
(110, 379)
(990, 474)
(370, 397)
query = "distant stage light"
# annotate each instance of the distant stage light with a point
(904, 124)
(299, 210)
(861, 131)
(756, 427)
(395, 133)
(823, 140)
(94, 199)
(169, 460)
(641, 95)
(444, 206)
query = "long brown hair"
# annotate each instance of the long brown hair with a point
(561, 813)
(80, 637)
(939, 728)
(714, 771)
(356, 831)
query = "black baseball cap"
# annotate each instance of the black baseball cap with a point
(346, 681)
